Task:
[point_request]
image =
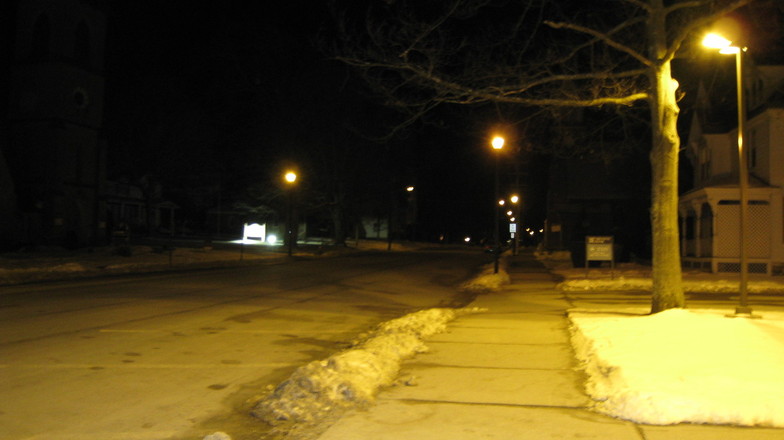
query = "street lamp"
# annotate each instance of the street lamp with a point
(516, 238)
(498, 144)
(715, 41)
(290, 178)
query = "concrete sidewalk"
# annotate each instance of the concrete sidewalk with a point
(507, 374)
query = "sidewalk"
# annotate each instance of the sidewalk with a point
(508, 373)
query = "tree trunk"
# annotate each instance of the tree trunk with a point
(667, 281)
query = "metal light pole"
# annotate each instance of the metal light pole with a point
(290, 178)
(515, 199)
(498, 144)
(743, 175)
(725, 46)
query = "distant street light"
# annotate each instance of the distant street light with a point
(290, 177)
(515, 236)
(498, 144)
(715, 41)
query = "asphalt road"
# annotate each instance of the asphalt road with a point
(184, 354)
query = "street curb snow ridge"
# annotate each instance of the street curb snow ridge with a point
(488, 280)
(352, 377)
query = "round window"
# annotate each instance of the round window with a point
(80, 98)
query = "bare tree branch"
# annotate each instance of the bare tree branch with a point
(429, 30)
(604, 38)
(570, 78)
(642, 5)
(684, 5)
(624, 25)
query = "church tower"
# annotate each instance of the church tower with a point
(55, 150)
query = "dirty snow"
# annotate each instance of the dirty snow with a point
(352, 377)
(488, 280)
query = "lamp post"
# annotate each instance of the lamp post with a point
(290, 178)
(515, 199)
(498, 144)
(715, 41)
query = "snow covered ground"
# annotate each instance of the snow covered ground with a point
(682, 365)
(58, 263)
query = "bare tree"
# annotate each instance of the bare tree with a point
(601, 53)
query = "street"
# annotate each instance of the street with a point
(180, 355)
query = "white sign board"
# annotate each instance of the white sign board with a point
(598, 248)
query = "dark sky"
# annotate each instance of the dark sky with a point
(199, 93)
(207, 93)
(204, 96)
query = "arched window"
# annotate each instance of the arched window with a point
(41, 38)
(706, 230)
(82, 45)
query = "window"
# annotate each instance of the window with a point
(752, 149)
(41, 36)
(706, 221)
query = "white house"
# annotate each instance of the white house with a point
(710, 211)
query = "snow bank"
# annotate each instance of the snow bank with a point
(352, 377)
(644, 283)
(487, 280)
(60, 264)
(684, 366)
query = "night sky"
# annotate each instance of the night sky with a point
(200, 96)
(214, 102)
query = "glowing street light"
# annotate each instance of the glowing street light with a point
(290, 177)
(716, 41)
(497, 143)
(515, 199)
(725, 46)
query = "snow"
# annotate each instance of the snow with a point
(56, 263)
(488, 280)
(351, 378)
(681, 365)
